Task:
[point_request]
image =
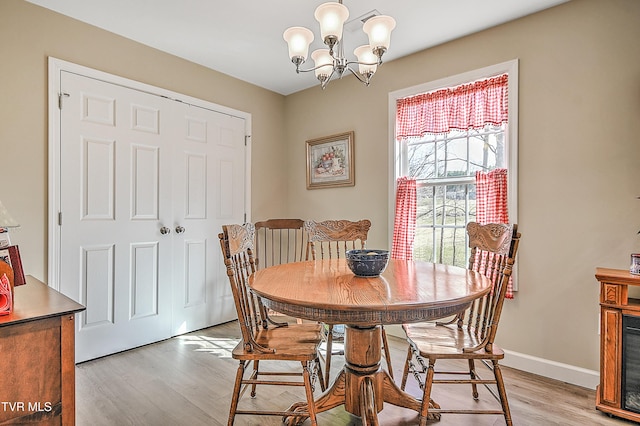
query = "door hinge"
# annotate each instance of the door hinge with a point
(60, 96)
(246, 139)
(59, 218)
(245, 218)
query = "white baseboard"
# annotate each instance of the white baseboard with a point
(543, 367)
(554, 370)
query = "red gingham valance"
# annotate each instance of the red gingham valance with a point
(469, 106)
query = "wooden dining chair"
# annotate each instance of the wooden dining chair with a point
(330, 239)
(469, 335)
(260, 342)
(280, 241)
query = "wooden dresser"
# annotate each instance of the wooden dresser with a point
(37, 357)
(614, 304)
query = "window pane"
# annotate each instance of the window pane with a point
(421, 160)
(424, 208)
(454, 247)
(486, 149)
(452, 157)
(442, 214)
(423, 246)
(457, 157)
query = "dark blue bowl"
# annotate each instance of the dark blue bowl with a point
(367, 263)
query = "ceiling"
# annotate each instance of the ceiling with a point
(244, 38)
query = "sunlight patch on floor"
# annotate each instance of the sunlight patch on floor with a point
(219, 346)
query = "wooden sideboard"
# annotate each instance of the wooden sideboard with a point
(614, 303)
(37, 357)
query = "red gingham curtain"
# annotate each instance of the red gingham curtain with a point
(491, 197)
(491, 203)
(469, 106)
(404, 225)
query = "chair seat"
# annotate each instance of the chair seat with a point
(447, 341)
(296, 342)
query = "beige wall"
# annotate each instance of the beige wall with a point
(579, 113)
(29, 35)
(579, 125)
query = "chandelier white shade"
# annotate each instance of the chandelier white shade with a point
(331, 17)
(324, 63)
(367, 60)
(331, 62)
(379, 30)
(298, 39)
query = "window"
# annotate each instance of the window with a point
(444, 166)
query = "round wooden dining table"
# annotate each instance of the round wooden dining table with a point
(327, 291)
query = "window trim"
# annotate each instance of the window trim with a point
(398, 150)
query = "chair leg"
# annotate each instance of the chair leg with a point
(255, 375)
(327, 367)
(323, 383)
(472, 373)
(236, 393)
(387, 353)
(405, 373)
(311, 405)
(426, 398)
(503, 393)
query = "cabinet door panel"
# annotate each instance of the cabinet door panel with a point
(610, 356)
(31, 372)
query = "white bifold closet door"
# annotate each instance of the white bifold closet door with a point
(145, 185)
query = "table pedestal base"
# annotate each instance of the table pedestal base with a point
(362, 386)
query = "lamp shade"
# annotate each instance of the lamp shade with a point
(331, 17)
(6, 221)
(323, 62)
(298, 39)
(367, 60)
(379, 30)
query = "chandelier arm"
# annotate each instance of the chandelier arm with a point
(364, 63)
(324, 82)
(359, 76)
(299, 70)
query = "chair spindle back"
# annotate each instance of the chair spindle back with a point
(237, 244)
(280, 241)
(330, 239)
(493, 249)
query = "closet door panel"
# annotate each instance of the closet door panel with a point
(115, 196)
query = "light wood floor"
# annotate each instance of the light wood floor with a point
(188, 380)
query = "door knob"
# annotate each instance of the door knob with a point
(179, 229)
(164, 230)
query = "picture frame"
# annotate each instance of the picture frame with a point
(11, 255)
(330, 161)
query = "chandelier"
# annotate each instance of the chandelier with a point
(331, 63)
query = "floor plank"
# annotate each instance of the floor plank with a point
(188, 380)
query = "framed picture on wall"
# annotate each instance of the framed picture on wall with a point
(330, 161)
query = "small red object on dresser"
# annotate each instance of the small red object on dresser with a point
(6, 296)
